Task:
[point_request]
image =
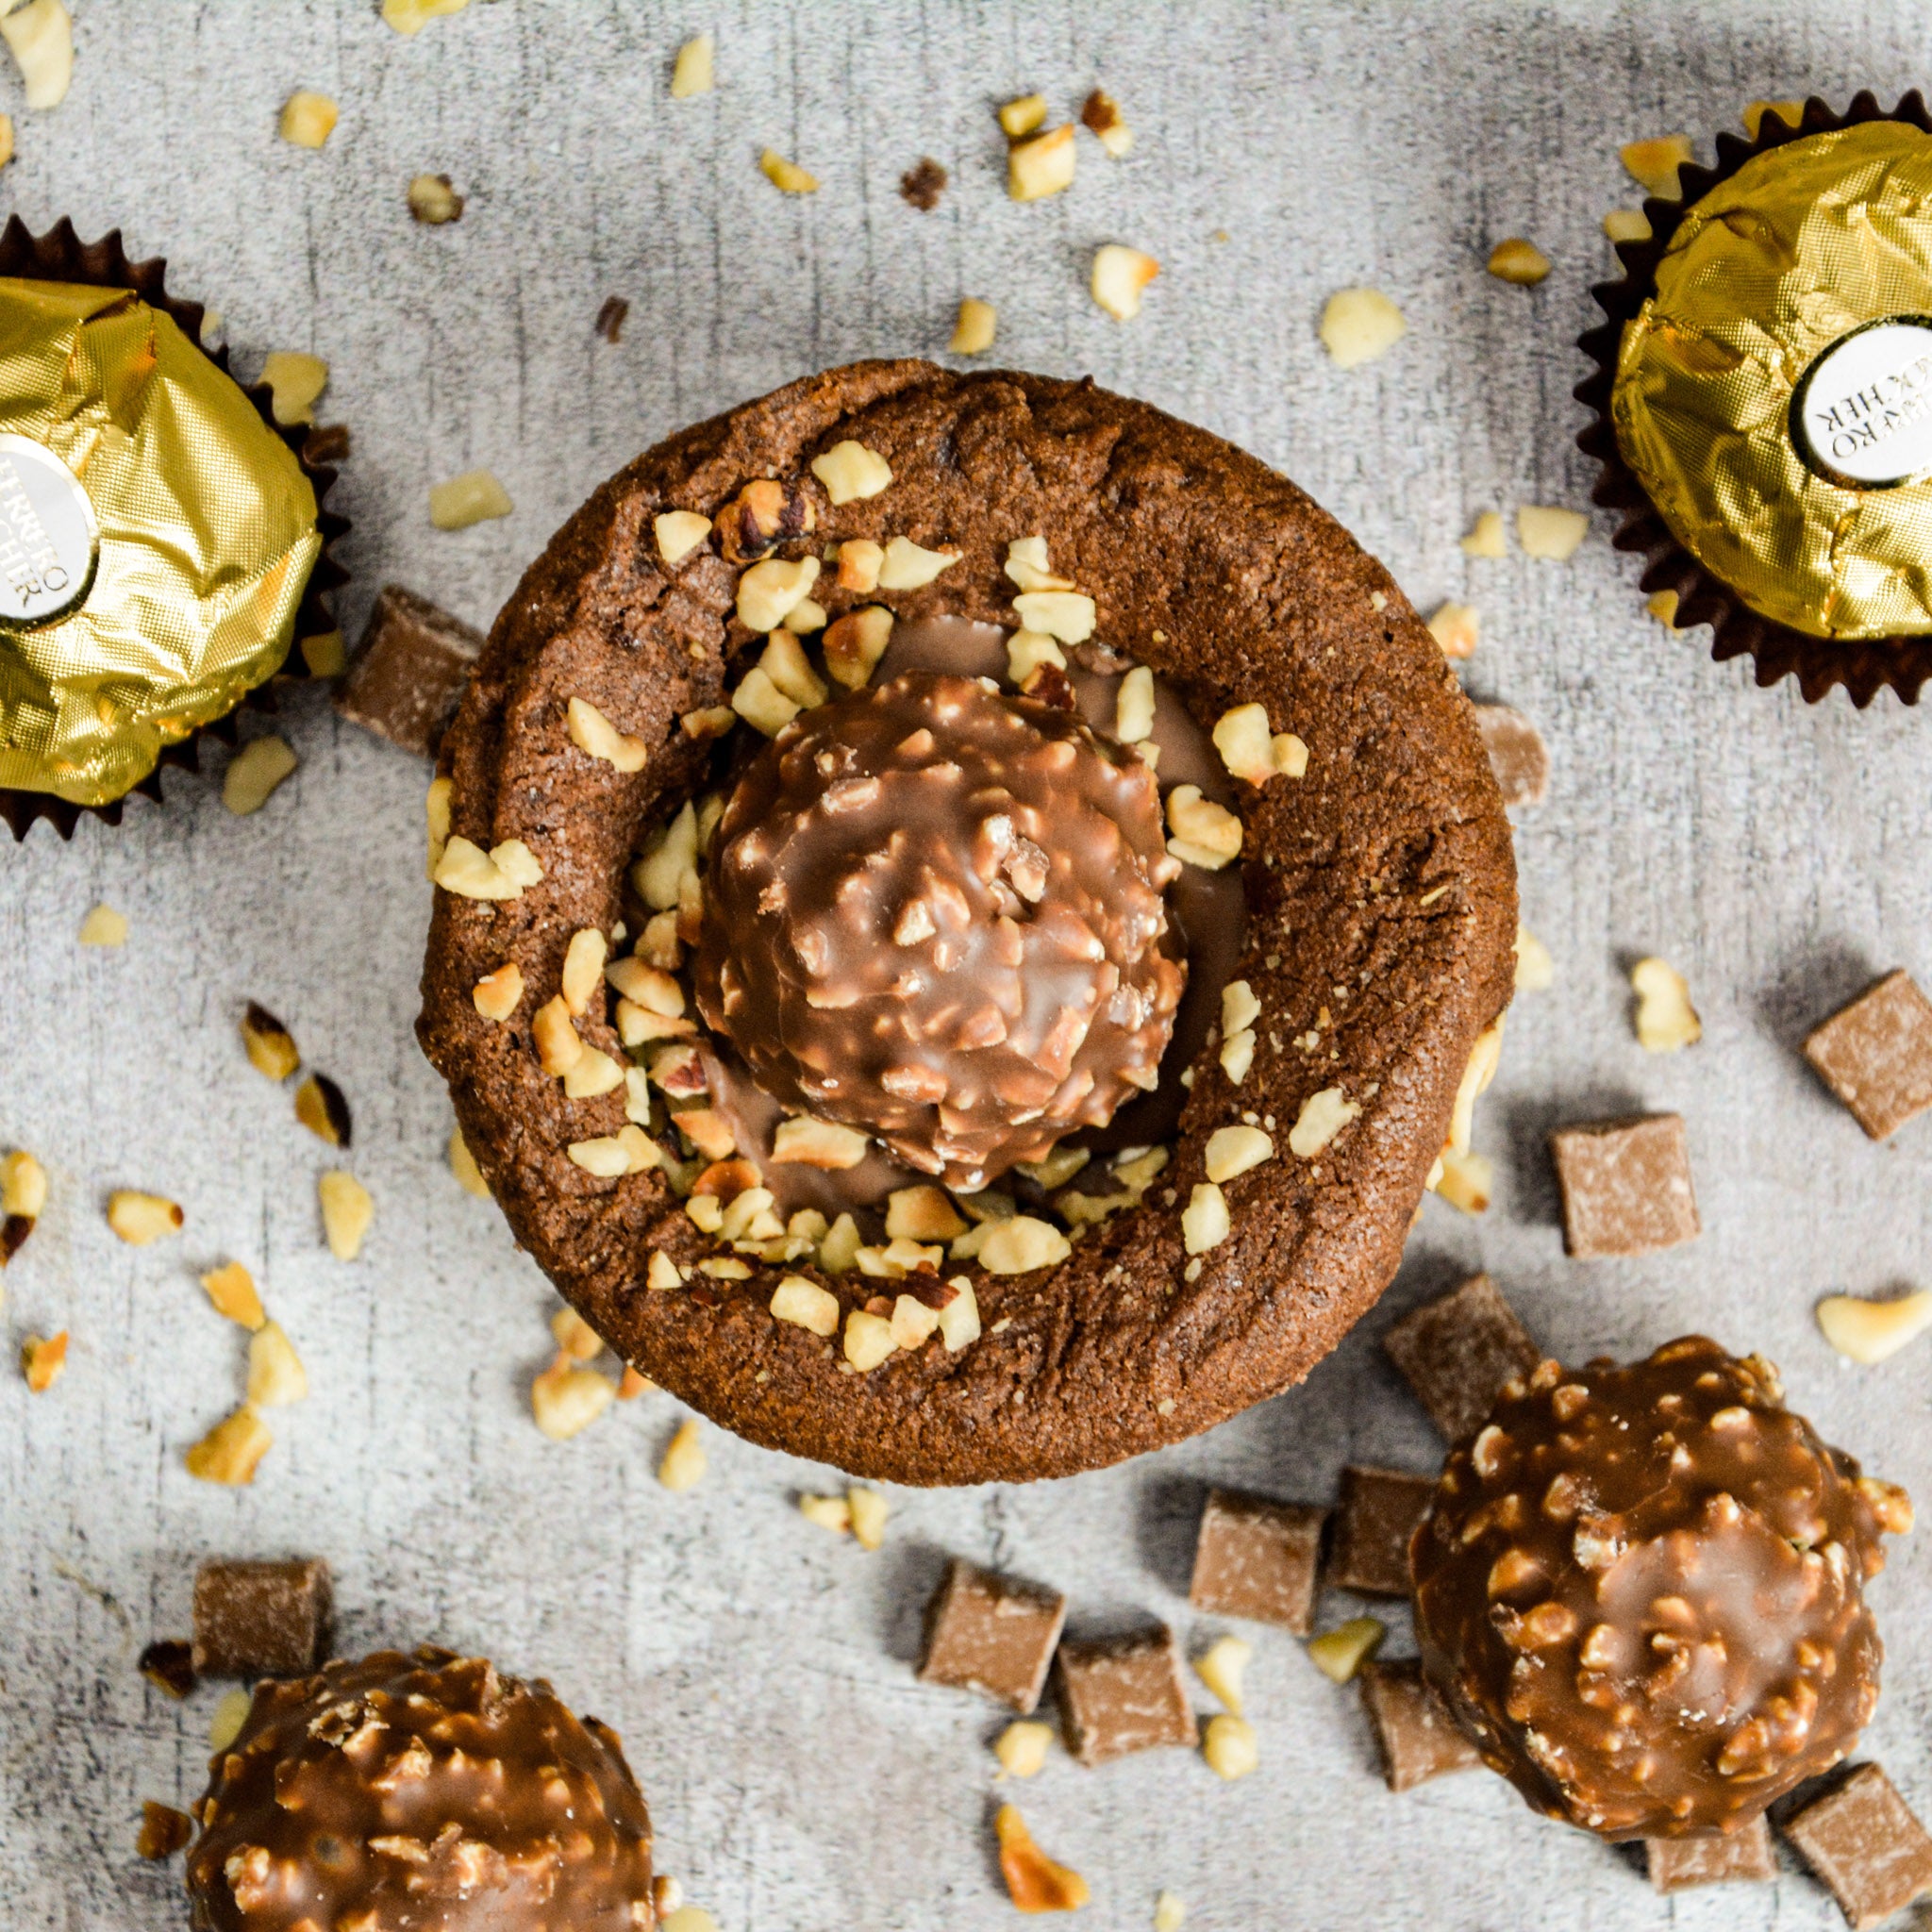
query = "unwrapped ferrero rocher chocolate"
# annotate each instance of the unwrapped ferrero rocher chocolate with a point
(156, 539)
(1765, 397)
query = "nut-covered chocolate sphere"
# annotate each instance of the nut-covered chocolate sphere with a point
(934, 912)
(419, 1794)
(1642, 1591)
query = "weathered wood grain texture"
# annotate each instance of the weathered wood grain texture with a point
(759, 1671)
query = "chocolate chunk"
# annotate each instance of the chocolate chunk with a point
(1458, 1350)
(923, 184)
(163, 1830)
(409, 671)
(1119, 1695)
(1876, 1054)
(610, 317)
(169, 1664)
(1678, 1864)
(1641, 1589)
(1380, 1508)
(1517, 754)
(934, 912)
(991, 1633)
(422, 1791)
(1863, 1841)
(262, 1620)
(1626, 1186)
(1257, 1558)
(1418, 1737)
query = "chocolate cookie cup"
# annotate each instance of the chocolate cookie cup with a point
(1819, 652)
(60, 257)
(1026, 1329)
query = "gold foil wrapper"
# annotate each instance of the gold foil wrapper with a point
(1802, 247)
(205, 532)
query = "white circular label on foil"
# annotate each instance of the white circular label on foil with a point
(1862, 414)
(49, 543)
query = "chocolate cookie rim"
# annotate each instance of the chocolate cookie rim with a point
(1314, 1242)
(62, 255)
(1863, 666)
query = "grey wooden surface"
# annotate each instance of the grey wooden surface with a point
(759, 1670)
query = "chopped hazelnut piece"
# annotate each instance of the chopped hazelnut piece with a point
(6, 139)
(1134, 706)
(806, 616)
(630, 1150)
(663, 1273)
(321, 1107)
(1665, 1018)
(911, 1321)
(1535, 969)
(232, 1291)
(594, 735)
(275, 1375)
(462, 1164)
(1457, 629)
(1027, 566)
(859, 562)
(630, 1385)
(1654, 164)
(230, 1451)
(787, 177)
(959, 1318)
(1041, 165)
(1550, 533)
(1519, 262)
(678, 533)
(708, 721)
(433, 201)
(1205, 1221)
(1120, 275)
(228, 1716)
(1221, 1666)
(497, 994)
(829, 1512)
(851, 473)
(1238, 1055)
(1663, 606)
(1101, 116)
(1034, 1882)
(783, 660)
(583, 968)
(806, 1305)
(1465, 1180)
(1872, 1332)
(346, 1213)
(1170, 1912)
(807, 1142)
(502, 872)
(1233, 1151)
(771, 587)
(1239, 1007)
(104, 927)
(140, 1219)
(1022, 1747)
(40, 36)
(868, 1340)
(708, 1131)
(869, 1512)
(163, 1830)
(1204, 833)
(856, 641)
(1026, 651)
(474, 498)
(693, 71)
(1068, 615)
(923, 1213)
(1338, 1653)
(1229, 1746)
(1020, 118)
(1322, 1116)
(436, 811)
(1486, 538)
(23, 1196)
(1359, 325)
(594, 1073)
(269, 1046)
(43, 1360)
(412, 16)
(1250, 751)
(683, 1465)
(255, 772)
(1020, 1244)
(973, 331)
(558, 1048)
(650, 987)
(307, 119)
(909, 566)
(566, 1398)
(1628, 225)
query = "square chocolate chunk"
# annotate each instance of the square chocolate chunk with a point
(1458, 1350)
(1864, 1843)
(1418, 1737)
(1257, 1558)
(991, 1633)
(1119, 1695)
(1517, 754)
(262, 1620)
(1876, 1054)
(1677, 1865)
(409, 671)
(1380, 1508)
(1626, 1186)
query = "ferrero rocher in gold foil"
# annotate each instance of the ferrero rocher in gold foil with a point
(1773, 394)
(156, 535)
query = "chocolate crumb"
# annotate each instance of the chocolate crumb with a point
(1678, 1864)
(609, 323)
(409, 672)
(1626, 1186)
(1863, 1841)
(1121, 1694)
(1876, 1054)
(922, 185)
(163, 1830)
(1418, 1737)
(262, 1620)
(1257, 1558)
(1458, 1350)
(169, 1664)
(991, 1633)
(1380, 1508)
